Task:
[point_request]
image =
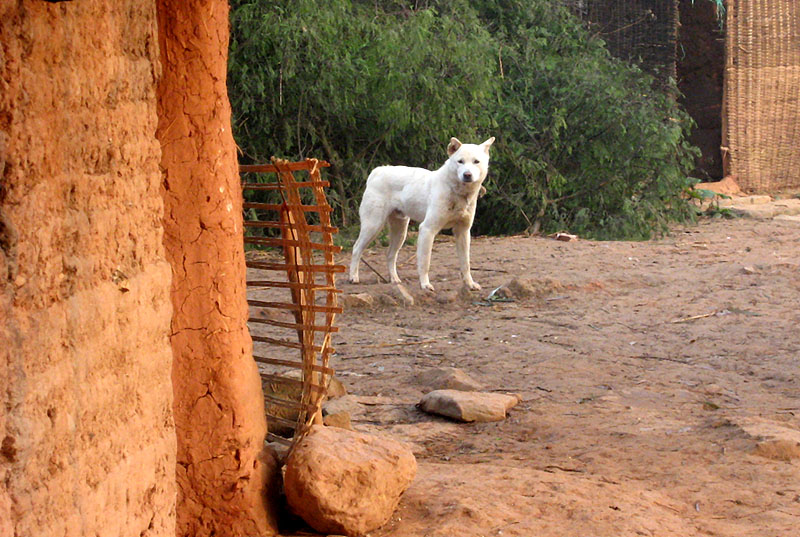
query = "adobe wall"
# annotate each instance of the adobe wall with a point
(86, 424)
(223, 471)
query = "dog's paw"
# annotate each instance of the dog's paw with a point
(473, 286)
(427, 287)
(396, 279)
(353, 280)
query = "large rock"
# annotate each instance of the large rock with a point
(345, 482)
(468, 406)
(448, 378)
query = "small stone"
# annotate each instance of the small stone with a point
(448, 378)
(713, 389)
(336, 388)
(749, 270)
(357, 300)
(345, 482)
(468, 406)
(401, 293)
(345, 403)
(340, 420)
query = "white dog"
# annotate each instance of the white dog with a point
(440, 199)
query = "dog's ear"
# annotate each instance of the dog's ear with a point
(453, 146)
(487, 144)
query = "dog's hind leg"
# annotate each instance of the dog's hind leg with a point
(398, 227)
(424, 247)
(370, 227)
(461, 233)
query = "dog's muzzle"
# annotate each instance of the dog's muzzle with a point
(466, 177)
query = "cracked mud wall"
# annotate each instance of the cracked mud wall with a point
(87, 440)
(223, 471)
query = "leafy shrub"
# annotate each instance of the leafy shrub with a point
(584, 143)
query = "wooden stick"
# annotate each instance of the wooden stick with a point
(276, 186)
(694, 317)
(280, 225)
(401, 344)
(304, 165)
(282, 324)
(384, 280)
(305, 268)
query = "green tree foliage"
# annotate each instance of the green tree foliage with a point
(584, 144)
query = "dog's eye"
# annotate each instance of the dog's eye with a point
(461, 161)
(476, 161)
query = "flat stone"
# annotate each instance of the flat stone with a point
(345, 482)
(357, 300)
(755, 212)
(448, 378)
(745, 200)
(468, 406)
(773, 440)
(340, 420)
(788, 218)
(788, 207)
(345, 403)
(763, 211)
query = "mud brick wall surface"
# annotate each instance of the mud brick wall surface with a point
(224, 473)
(87, 440)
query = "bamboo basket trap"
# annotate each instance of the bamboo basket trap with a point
(292, 293)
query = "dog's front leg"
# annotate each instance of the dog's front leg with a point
(424, 247)
(461, 233)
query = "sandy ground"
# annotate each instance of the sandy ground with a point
(645, 371)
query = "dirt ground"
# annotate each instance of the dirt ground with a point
(645, 371)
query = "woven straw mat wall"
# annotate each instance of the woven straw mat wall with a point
(637, 31)
(761, 111)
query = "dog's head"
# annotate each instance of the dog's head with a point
(470, 161)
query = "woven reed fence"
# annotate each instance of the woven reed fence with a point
(644, 32)
(761, 108)
(291, 290)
